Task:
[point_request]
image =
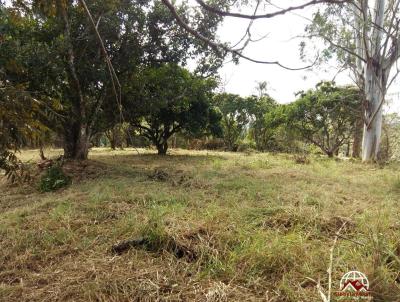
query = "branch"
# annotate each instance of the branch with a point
(247, 32)
(96, 110)
(329, 271)
(391, 25)
(142, 127)
(349, 51)
(71, 59)
(269, 15)
(219, 46)
(145, 131)
(114, 78)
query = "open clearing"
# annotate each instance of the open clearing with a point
(215, 226)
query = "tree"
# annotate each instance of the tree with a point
(259, 106)
(23, 116)
(365, 37)
(242, 116)
(235, 118)
(60, 63)
(324, 117)
(168, 99)
(390, 148)
(66, 61)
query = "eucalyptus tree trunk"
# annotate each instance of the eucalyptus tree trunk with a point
(372, 75)
(372, 130)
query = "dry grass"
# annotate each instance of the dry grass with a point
(218, 227)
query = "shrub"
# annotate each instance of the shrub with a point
(53, 179)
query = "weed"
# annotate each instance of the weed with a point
(53, 179)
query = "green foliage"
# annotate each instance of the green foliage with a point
(235, 118)
(168, 99)
(53, 179)
(390, 144)
(15, 170)
(324, 117)
(333, 24)
(259, 131)
(21, 114)
(241, 114)
(52, 49)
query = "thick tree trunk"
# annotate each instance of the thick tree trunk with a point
(372, 139)
(113, 144)
(162, 148)
(82, 150)
(374, 97)
(347, 149)
(76, 143)
(374, 88)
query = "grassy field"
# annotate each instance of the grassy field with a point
(209, 227)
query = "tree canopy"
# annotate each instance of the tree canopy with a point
(168, 99)
(324, 116)
(59, 52)
(363, 36)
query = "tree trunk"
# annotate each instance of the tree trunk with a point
(128, 138)
(112, 143)
(374, 88)
(336, 152)
(374, 97)
(348, 149)
(372, 138)
(82, 150)
(162, 148)
(357, 139)
(76, 143)
(41, 152)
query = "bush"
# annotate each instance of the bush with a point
(53, 179)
